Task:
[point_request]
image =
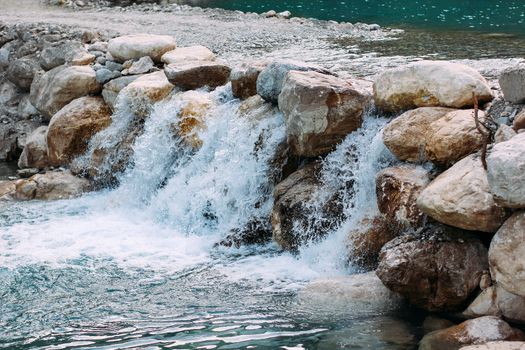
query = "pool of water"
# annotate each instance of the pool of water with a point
(479, 15)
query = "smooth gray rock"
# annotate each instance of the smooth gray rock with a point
(104, 75)
(22, 71)
(512, 83)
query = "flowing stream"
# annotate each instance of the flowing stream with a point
(137, 266)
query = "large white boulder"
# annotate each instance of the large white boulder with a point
(135, 46)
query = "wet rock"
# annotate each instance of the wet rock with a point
(51, 186)
(505, 172)
(197, 74)
(22, 71)
(461, 197)
(364, 242)
(113, 87)
(244, 78)
(142, 66)
(128, 47)
(406, 135)
(73, 126)
(504, 133)
(433, 323)
(56, 88)
(191, 117)
(512, 83)
(270, 80)
(320, 111)
(453, 137)
(364, 289)
(477, 331)
(429, 84)
(497, 345)
(496, 301)
(506, 255)
(397, 190)
(140, 95)
(34, 154)
(188, 54)
(436, 269)
(104, 75)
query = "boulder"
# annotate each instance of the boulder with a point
(70, 52)
(519, 121)
(196, 74)
(7, 190)
(506, 255)
(406, 135)
(188, 54)
(436, 269)
(319, 111)
(397, 190)
(461, 197)
(128, 47)
(270, 80)
(191, 115)
(505, 172)
(140, 95)
(497, 345)
(496, 301)
(13, 136)
(113, 87)
(61, 85)
(363, 290)
(73, 126)
(34, 154)
(22, 71)
(51, 186)
(244, 78)
(429, 84)
(365, 240)
(512, 83)
(477, 331)
(453, 137)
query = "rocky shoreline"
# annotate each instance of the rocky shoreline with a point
(448, 238)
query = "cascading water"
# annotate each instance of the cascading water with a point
(137, 266)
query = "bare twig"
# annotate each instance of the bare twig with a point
(485, 128)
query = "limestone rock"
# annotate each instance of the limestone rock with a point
(512, 83)
(406, 135)
(270, 80)
(191, 117)
(128, 47)
(397, 190)
(188, 54)
(22, 71)
(51, 186)
(364, 242)
(34, 154)
(505, 172)
(429, 84)
(197, 74)
(319, 110)
(461, 197)
(453, 137)
(56, 88)
(244, 78)
(113, 87)
(73, 126)
(477, 331)
(436, 269)
(506, 255)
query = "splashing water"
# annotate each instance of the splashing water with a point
(137, 266)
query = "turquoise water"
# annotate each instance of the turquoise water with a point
(480, 15)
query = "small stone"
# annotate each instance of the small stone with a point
(142, 66)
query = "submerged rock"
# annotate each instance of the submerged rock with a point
(506, 172)
(73, 126)
(188, 54)
(51, 186)
(461, 197)
(197, 74)
(320, 111)
(270, 80)
(56, 88)
(135, 46)
(477, 331)
(437, 269)
(34, 154)
(429, 84)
